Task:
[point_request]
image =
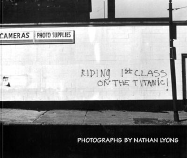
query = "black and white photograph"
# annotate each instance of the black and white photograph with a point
(93, 78)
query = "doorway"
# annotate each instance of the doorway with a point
(184, 80)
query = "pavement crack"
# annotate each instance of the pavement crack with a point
(40, 116)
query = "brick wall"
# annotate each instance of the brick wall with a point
(105, 63)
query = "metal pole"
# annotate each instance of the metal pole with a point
(172, 65)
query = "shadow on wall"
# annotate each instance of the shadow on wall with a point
(126, 105)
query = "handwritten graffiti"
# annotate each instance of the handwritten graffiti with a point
(96, 73)
(151, 83)
(6, 82)
(141, 83)
(136, 78)
(149, 73)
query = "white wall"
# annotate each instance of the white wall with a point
(141, 9)
(54, 71)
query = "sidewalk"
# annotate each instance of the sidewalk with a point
(78, 117)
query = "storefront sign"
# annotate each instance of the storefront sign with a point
(37, 37)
